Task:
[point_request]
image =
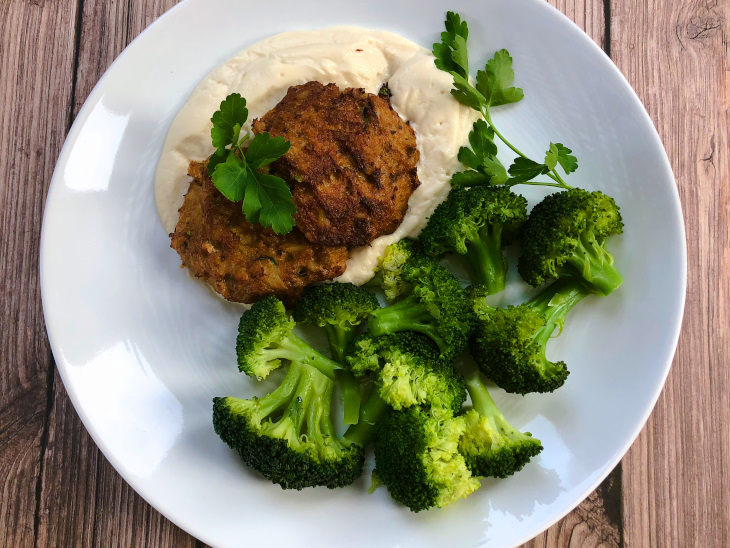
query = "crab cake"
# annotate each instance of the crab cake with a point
(352, 162)
(241, 261)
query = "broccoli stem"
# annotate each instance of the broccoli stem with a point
(363, 432)
(338, 339)
(488, 264)
(281, 397)
(554, 303)
(481, 400)
(406, 315)
(296, 350)
(595, 264)
(351, 396)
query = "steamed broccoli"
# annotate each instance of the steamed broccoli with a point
(492, 446)
(476, 222)
(288, 435)
(338, 308)
(433, 303)
(566, 234)
(409, 370)
(390, 266)
(508, 344)
(265, 337)
(417, 458)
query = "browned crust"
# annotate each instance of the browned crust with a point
(351, 166)
(241, 261)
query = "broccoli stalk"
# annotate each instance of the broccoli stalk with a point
(362, 433)
(433, 303)
(288, 435)
(508, 344)
(594, 263)
(406, 315)
(338, 308)
(491, 445)
(553, 304)
(476, 222)
(265, 337)
(488, 264)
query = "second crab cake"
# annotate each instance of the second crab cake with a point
(352, 162)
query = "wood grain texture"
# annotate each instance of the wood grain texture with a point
(673, 487)
(676, 479)
(36, 71)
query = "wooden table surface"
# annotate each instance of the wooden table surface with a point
(673, 486)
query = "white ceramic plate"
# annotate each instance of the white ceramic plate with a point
(143, 349)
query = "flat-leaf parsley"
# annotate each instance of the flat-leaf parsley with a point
(266, 198)
(492, 88)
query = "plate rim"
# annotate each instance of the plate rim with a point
(139, 485)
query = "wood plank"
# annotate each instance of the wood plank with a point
(676, 482)
(100, 509)
(36, 67)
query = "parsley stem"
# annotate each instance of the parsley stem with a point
(540, 183)
(488, 118)
(552, 174)
(559, 179)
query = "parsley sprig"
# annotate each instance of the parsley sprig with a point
(266, 199)
(493, 88)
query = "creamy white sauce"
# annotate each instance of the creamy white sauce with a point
(347, 57)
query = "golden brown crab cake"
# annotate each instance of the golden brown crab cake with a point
(241, 261)
(352, 162)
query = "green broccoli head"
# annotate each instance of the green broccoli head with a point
(434, 304)
(409, 370)
(566, 234)
(288, 435)
(265, 337)
(337, 307)
(417, 458)
(476, 222)
(509, 344)
(390, 265)
(492, 446)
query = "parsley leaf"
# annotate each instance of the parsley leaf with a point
(265, 149)
(481, 158)
(524, 169)
(451, 54)
(494, 81)
(568, 162)
(469, 178)
(266, 199)
(275, 201)
(232, 112)
(230, 178)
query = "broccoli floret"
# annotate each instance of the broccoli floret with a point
(265, 337)
(417, 458)
(338, 308)
(492, 446)
(288, 435)
(390, 266)
(410, 370)
(566, 234)
(508, 344)
(476, 222)
(434, 304)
